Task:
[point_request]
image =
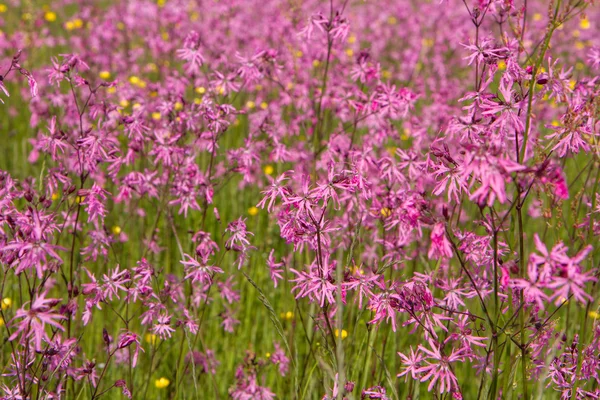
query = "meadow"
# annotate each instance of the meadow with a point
(299, 199)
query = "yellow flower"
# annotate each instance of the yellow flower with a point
(250, 104)
(156, 116)
(349, 52)
(537, 17)
(352, 39)
(268, 355)
(253, 211)
(269, 169)
(79, 199)
(258, 87)
(116, 229)
(392, 20)
(104, 75)
(112, 90)
(69, 25)
(289, 86)
(385, 212)
(151, 338)
(134, 80)
(178, 106)
(197, 100)
(162, 383)
(6, 303)
(77, 23)
(579, 45)
(572, 84)
(501, 65)
(584, 23)
(124, 103)
(289, 315)
(161, 3)
(594, 314)
(298, 53)
(55, 196)
(201, 90)
(3, 8)
(316, 63)
(264, 105)
(1, 322)
(344, 333)
(50, 16)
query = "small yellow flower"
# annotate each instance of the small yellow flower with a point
(352, 39)
(584, 23)
(392, 20)
(385, 212)
(253, 211)
(258, 87)
(220, 89)
(1, 322)
(134, 80)
(55, 196)
(79, 199)
(576, 33)
(555, 123)
(120, 26)
(386, 73)
(594, 314)
(194, 16)
(151, 338)
(391, 150)
(165, 36)
(197, 100)
(250, 104)
(136, 106)
(26, 16)
(201, 90)
(537, 17)
(124, 103)
(427, 42)
(572, 84)
(316, 63)
(161, 3)
(264, 105)
(344, 333)
(289, 315)
(298, 53)
(269, 169)
(116, 229)
(579, 45)
(579, 66)
(69, 25)
(501, 65)
(289, 86)
(162, 383)
(178, 106)
(349, 52)
(156, 116)
(3, 8)
(268, 355)
(104, 75)
(50, 16)
(6, 303)
(77, 23)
